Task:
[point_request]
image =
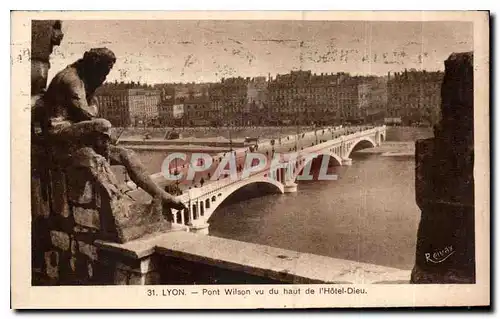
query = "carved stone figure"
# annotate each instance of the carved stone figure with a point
(70, 119)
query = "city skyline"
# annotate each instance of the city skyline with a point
(186, 51)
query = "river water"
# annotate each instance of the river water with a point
(368, 214)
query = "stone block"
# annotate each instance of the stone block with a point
(137, 279)
(74, 246)
(152, 278)
(52, 264)
(88, 250)
(120, 277)
(90, 270)
(141, 266)
(73, 263)
(59, 194)
(39, 199)
(133, 219)
(424, 179)
(80, 188)
(60, 240)
(457, 97)
(445, 244)
(87, 217)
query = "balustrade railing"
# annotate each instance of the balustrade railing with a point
(193, 195)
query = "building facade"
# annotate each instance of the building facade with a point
(126, 107)
(143, 105)
(306, 98)
(166, 103)
(298, 97)
(197, 111)
(414, 96)
(372, 98)
(228, 100)
(257, 101)
(113, 106)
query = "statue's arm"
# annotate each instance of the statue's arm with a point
(72, 88)
(137, 172)
(140, 176)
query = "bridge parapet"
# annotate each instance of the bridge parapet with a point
(202, 201)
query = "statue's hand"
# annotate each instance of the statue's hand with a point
(164, 203)
(172, 202)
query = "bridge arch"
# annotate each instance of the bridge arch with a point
(279, 187)
(298, 169)
(362, 143)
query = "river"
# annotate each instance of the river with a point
(369, 214)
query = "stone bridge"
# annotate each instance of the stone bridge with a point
(281, 175)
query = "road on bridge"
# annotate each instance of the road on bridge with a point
(286, 144)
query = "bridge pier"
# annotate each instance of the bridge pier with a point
(290, 188)
(347, 161)
(199, 228)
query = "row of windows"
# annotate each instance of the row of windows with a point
(303, 90)
(204, 114)
(433, 100)
(315, 103)
(315, 96)
(111, 99)
(412, 106)
(197, 106)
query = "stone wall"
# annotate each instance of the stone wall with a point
(185, 258)
(179, 271)
(64, 224)
(444, 183)
(74, 203)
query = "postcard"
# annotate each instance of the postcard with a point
(257, 159)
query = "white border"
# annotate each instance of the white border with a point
(429, 290)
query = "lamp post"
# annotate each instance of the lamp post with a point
(176, 172)
(230, 141)
(315, 132)
(229, 130)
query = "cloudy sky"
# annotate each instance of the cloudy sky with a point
(156, 51)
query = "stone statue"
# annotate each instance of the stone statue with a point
(45, 34)
(70, 118)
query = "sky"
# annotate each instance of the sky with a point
(161, 51)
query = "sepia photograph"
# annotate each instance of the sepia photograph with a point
(205, 157)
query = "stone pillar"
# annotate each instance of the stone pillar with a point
(444, 183)
(119, 268)
(347, 161)
(290, 187)
(201, 204)
(191, 212)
